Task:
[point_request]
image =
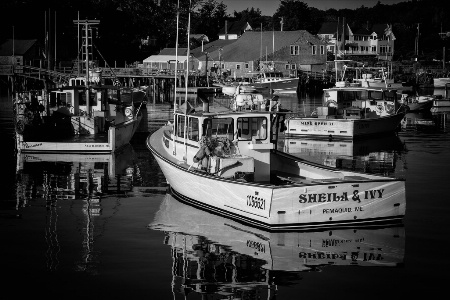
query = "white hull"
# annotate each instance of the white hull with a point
(441, 82)
(342, 128)
(320, 197)
(231, 90)
(116, 138)
(390, 85)
(285, 84)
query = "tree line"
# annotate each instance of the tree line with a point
(132, 30)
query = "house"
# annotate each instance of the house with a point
(233, 30)
(17, 52)
(285, 51)
(166, 59)
(376, 41)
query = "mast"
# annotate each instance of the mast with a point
(186, 81)
(335, 50)
(176, 57)
(175, 88)
(86, 80)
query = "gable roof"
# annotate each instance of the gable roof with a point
(172, 51)
(20, 47)
(212, 49)
(248, 46)
(235, 27)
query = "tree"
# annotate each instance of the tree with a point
(296, 16)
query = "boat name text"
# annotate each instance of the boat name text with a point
(334, 197)
(260, 247)
(354, 256)
(256, 202)
(317, 123)
(26, 145)
(94, 145)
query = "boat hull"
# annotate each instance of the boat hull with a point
(116, 138)
(288, 84)
(312, 204)
(342, 128)
(441, 82)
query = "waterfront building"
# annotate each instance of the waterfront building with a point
(376, 41)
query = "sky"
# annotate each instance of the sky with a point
(268, 7)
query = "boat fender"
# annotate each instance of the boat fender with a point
(201, 154)
(389, 107)
(331, 103)
(20, 126)
(379, 108)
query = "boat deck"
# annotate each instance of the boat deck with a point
(278, 179)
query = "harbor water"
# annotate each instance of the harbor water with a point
(105, 226)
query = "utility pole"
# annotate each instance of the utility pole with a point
(417, 39)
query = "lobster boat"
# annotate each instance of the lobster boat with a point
(351, 112)
(84, 116)
(226, 161)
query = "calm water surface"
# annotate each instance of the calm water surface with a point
(103, 227)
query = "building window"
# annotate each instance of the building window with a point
(246, 65)
(322, 49)
(238, 67)
(222, 66)
(314, 50)
(374, 48)
(295, 50)
(287, 66)
(293, 67)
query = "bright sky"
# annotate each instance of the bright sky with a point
(268, 7)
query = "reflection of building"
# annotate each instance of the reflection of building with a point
(215, 255)
(378, 154)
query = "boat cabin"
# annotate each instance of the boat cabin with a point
(380, 101)
(245, 136)
(269, 76)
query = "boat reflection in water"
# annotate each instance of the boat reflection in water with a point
(215, 255)
(377, 154)
(77, 181)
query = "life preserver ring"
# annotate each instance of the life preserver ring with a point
(331, 103)
(128, 112)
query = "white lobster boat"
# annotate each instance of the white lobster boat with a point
(60, 120)
(227, 162)
(351, 112)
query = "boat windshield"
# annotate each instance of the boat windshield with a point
(219, 128)
(192, 127)
(249, 128)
